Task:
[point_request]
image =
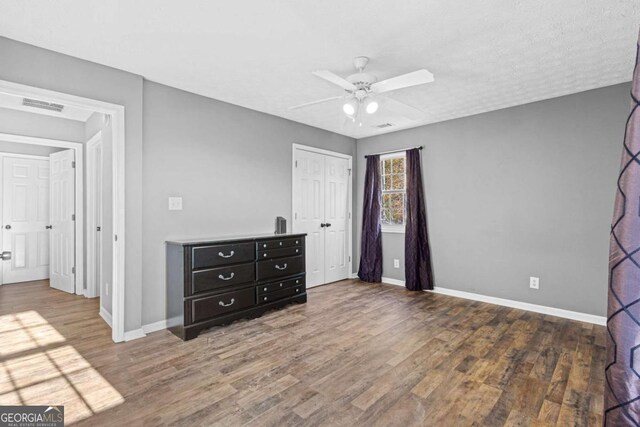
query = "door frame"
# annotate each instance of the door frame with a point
(2, 157)
(93, 289)
(350, 191)
(117, 114)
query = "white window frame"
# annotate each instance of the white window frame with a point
(386, 228)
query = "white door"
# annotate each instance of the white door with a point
(320, 200)
(309, 199)
(62, 214)
(336, 219)
(25, 214)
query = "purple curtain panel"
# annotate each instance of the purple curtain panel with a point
(622, 372)
(417, 254)
(371, 245)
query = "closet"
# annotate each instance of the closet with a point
(322, 210)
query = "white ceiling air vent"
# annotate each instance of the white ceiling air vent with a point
(384, 125)
(28, 102)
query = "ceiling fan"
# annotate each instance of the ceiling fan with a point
(363, 91)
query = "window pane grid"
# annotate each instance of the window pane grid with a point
(393, 191)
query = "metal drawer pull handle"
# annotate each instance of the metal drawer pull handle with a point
(280, 243)
(227, 305)
(296, 250)
(226, 278)
(265, 289)
(281, 268)
(265, 298)
(226, 256)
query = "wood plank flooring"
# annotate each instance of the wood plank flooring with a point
(355, 355)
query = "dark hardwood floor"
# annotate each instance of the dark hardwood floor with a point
(355, 354)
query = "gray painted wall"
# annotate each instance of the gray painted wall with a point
(525, 191)
(231, 166)
(38, 125)
(30, 65)
(33, 150)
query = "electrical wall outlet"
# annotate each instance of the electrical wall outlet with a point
(175, 203)
(534, 282)
(396, 263)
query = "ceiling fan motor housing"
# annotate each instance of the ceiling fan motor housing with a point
(362, 80)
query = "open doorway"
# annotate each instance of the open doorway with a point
(62, 196)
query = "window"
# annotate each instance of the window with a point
(393, 192)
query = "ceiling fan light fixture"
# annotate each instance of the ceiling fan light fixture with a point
(350, 108)
(372, 107)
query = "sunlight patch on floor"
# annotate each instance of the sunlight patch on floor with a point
(38, 368)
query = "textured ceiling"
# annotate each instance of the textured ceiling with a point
(485, 55)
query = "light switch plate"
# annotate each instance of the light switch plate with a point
(175, 203)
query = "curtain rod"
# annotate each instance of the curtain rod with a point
(419, 147)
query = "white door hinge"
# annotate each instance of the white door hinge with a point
(116, 237)
(73, 217)
(73, 270)
(73, 164)
(296, 163)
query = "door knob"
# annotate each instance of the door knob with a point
(49, 227)
(8, 227)
(327, 225)
(5, 256)
(323, 225)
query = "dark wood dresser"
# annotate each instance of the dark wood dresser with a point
(216, 281)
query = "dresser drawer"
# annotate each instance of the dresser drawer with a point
(280, 253)
(279, 243)
(274, 296)
(218, 255)
(214, 278)
(283, 284)
(281, 267)
(204, 308)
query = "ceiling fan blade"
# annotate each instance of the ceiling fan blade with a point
(320, 101)
(335, 79)
(403, 109)
(406, 80)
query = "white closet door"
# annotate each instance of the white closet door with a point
(25, 214)
(309, 200)
(62, 211)
(336, 218)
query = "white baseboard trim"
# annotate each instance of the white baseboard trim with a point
(106, 316)
(552, 311)
(391, 281)
(134, 335)
(151, 327)
(160, 325)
